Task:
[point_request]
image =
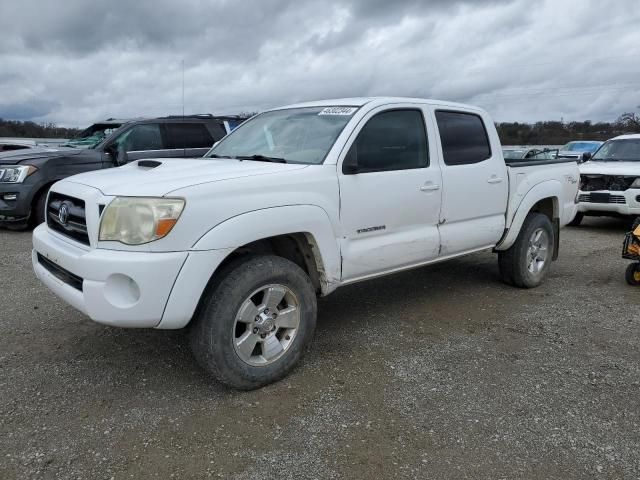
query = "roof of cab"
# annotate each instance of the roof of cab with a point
(630, 136)
(376, 101)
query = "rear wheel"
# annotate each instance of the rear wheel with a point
(527, 262)
(632, 274)
(577, 220)
(255, 323)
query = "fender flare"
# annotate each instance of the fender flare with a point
(548, 189)
(256, 225)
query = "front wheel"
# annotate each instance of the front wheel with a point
(527, 261)
(255, 322)
(39, 209)
(632, 274)
(577, 220)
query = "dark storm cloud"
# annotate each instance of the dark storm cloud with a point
(28, 111)
(77, 61)
(80, 27)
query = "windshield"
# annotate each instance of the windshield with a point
(580, 147)
(619, 150)
(92, 136)
(296, 135)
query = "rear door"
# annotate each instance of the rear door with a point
(389, 206)
(475, 183)
(189, 139)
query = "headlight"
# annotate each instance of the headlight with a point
(138, 220)
(15, 173)
(636, 183)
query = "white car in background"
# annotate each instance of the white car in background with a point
(528, 153)
(610, 180)
(579, 150)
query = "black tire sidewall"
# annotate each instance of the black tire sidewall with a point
(212, 336)
(532, 223)
(39, 207)
(577, 220)
(629, 274)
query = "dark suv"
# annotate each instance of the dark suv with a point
(26, 175)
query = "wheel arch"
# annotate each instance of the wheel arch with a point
(301, 233)
(543, 198)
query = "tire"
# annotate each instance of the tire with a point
(577, 220)
(632, 274)
(38, 210)
(231, 317)
(527, 262)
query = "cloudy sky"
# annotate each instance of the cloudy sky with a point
(76, 61)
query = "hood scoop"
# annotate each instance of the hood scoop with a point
(149, 163)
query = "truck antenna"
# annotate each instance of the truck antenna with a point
(183, 88)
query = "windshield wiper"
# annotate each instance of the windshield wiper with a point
(215, 155)
(261, 158)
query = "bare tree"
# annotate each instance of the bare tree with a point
(630, 121)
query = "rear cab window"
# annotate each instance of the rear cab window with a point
(463, 136)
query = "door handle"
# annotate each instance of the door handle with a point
(430, 187)
(494, 179)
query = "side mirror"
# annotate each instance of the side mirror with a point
(350, 162)
(120, 154)
(586, 156)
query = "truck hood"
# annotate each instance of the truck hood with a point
(20, 156)
(172, 174)
(610, 168)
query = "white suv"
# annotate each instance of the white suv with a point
(610, 180)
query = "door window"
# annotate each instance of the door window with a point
(188, 135)
(392, 140)
(140, 138)
(464, 138)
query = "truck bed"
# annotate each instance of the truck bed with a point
(533, 163)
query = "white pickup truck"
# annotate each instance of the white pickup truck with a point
(295, 203)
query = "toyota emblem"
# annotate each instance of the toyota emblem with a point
(63, 214)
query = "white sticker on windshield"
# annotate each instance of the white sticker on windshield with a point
(338, 111)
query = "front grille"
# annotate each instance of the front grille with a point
(601, 198)
(57, 271)
(72, 222)
(612, 183)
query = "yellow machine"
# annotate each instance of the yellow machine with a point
(631, 251)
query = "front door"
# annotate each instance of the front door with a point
(389, 195)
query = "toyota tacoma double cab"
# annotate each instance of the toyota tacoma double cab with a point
(26, 175)
(294, 203)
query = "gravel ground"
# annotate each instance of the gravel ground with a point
(441, 372)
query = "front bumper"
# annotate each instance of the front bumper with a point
(610, 202)
(15, 202)
(121, 288)
(125, 289)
